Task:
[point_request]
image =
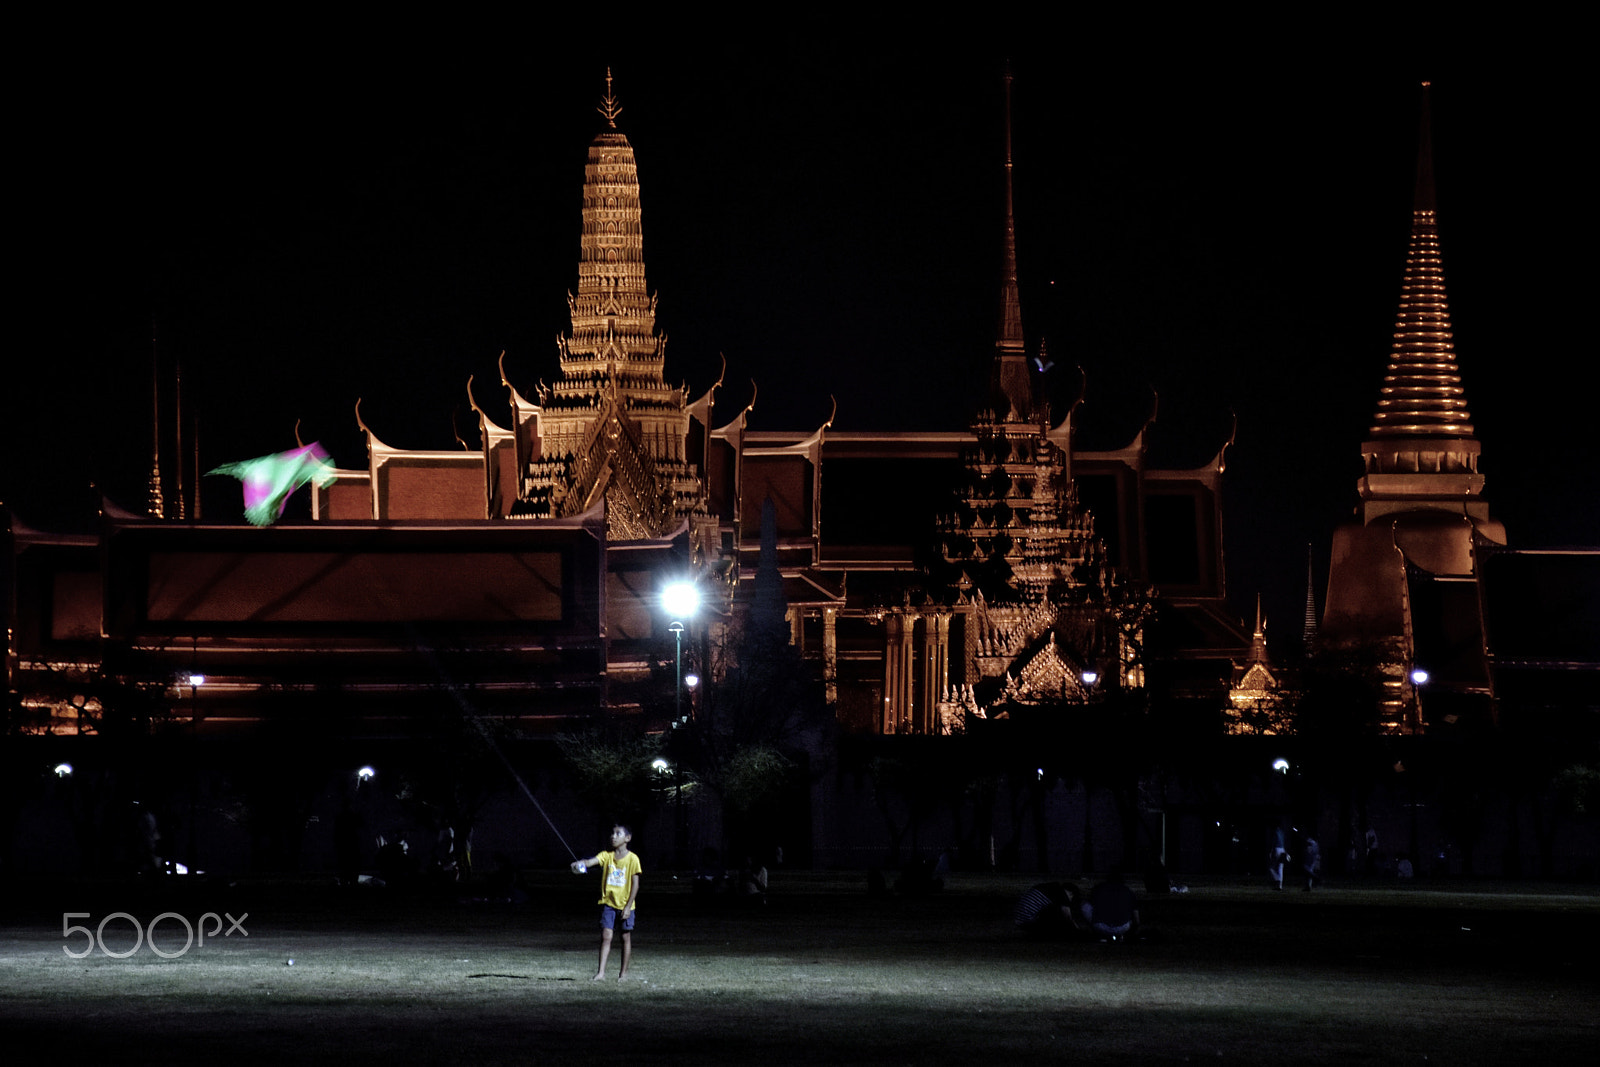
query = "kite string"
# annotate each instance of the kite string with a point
(466, 710)
(513, 771)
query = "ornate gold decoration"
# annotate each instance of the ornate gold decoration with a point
(612, 427)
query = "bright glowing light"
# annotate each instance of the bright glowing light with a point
(63, 770)
(269, 480)
(1419, 676)
(1280, 765)
(691, 680)
(1090, 677)
(366, 774)
(197, 679)
(680, 599)
(660, 764)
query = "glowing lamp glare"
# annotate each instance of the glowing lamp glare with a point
(680, 599)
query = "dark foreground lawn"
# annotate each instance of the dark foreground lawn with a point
(1229, 973)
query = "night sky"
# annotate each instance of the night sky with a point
(307, 226)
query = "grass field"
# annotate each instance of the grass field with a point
(1227, 973)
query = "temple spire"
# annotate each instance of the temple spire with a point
(156, 504)
(612, 430)
(1422, 394)
(1012, 388)
(1308, 636)
(1258, 639)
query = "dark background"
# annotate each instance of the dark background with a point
(313, 214)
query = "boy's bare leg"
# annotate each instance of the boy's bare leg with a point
(627, 954)
(605, 953)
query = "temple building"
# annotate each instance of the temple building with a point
(1402, 580)
(932, 577)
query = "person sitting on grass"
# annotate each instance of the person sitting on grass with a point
(619, 889)
(1111, 909)
(753, 882)
(1049, 910)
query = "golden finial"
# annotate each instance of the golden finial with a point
(608, 103)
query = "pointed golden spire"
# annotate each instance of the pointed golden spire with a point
(1308, 634)
(156, 505)
(1422, 393)
(1258, 639)
(609, 108)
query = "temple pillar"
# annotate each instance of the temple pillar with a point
(898, 673)
(797, 628)
(935, 669)
(830, 655)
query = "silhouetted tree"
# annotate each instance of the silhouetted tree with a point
(762, 718)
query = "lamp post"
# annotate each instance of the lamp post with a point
(680, 599)
(677, 699)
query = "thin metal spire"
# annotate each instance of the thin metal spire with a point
(1011, 365)
(177, 418)
(609, 107)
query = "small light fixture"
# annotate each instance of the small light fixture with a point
(1280, 765)
(1090, 677)
(366, 773)
(63, 770)
(1419, 676)
(197, 679)
(691, 680)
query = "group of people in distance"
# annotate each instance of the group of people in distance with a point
(1108, 912)
(1310, 861)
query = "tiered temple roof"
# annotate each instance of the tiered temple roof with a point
(1421, 450)
(1017, 537)
(611, 426)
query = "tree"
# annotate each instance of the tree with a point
(612, 767)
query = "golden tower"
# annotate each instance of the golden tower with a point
(612, 427)
(1422, 512)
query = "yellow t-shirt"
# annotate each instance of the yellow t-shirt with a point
(616, 877)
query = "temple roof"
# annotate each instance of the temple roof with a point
(1422, 393)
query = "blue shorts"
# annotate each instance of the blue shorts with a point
(608, 918)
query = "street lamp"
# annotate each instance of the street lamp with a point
(677, 705)
(680, 600)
